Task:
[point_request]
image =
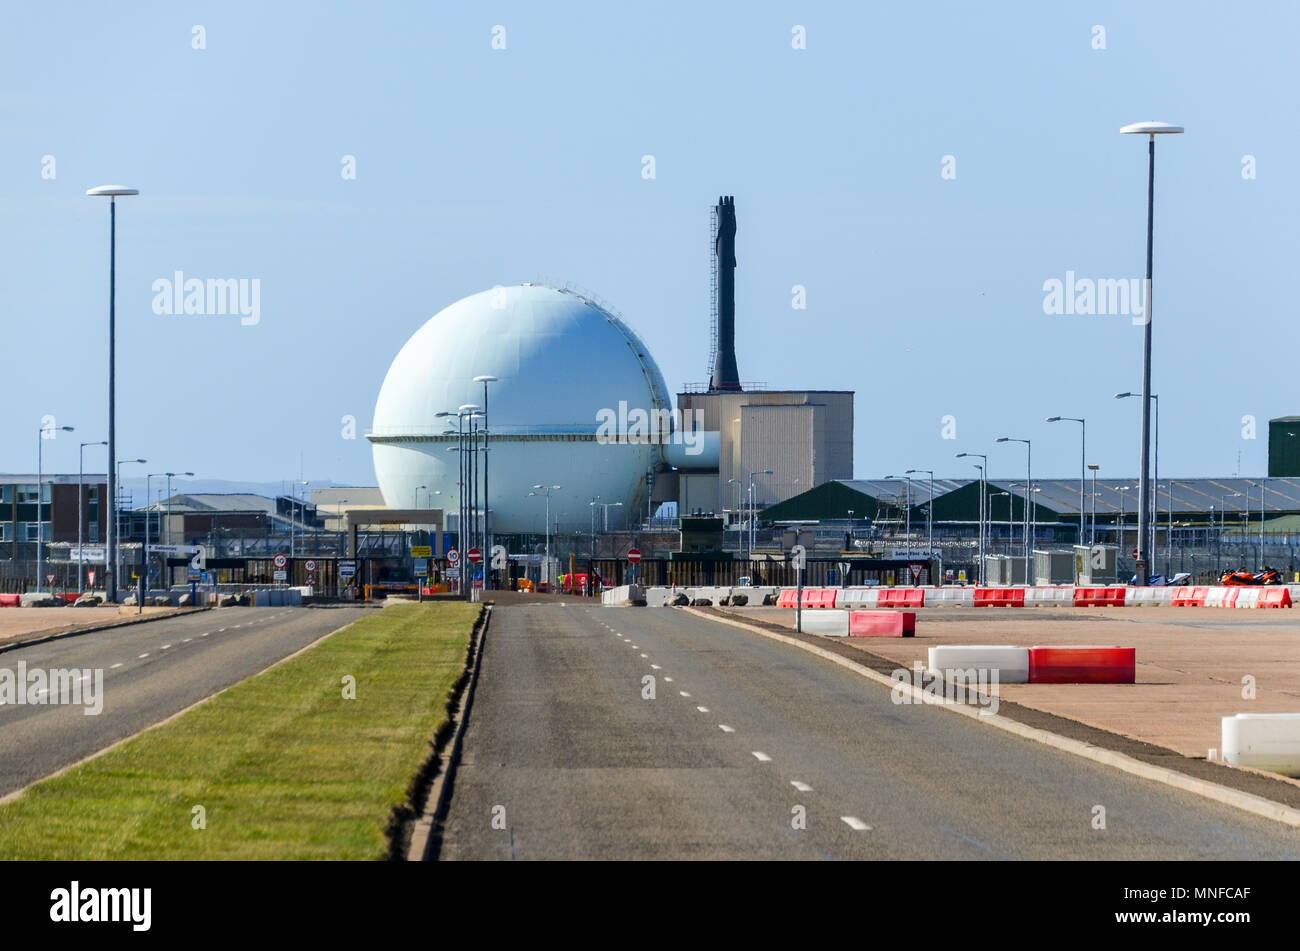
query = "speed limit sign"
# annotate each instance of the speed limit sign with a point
(453, 556)
(310, 566)
(280, 561)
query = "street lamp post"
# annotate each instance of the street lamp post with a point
(753, 513)
(549, 489)
(40, 485)
(1029, 500)
(907, 509)
(929, 519)
(1154, 499)
(485, 379)
(117, 565)
(112, 193)
(81, 491)
(1092, 531)
(1151, 130)
(984, 514)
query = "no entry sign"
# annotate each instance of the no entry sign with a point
(474, 555)
(634, 555)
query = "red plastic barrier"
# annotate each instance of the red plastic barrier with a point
(1189, 597)
(787, 598)
(901, 598)
(819, 597)
(1082, 665)
(1268, 598)
(1098, 597)
(999, 597)
(882, 623)
(68, 596)
(12, 600)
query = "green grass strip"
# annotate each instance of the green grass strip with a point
(284, 766)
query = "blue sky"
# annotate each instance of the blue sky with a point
(477, 166)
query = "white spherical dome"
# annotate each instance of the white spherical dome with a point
(559, 360)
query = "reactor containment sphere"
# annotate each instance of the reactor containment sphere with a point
(560, 361)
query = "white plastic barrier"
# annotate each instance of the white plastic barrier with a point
(1269, 741)
(1147, 597)
(830, 622)
(1219, 597)
(954, 596)
(1248, 598)
(1011, 663)
(1048, 596)
(858, 597)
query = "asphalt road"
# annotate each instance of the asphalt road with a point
(150, 671)
(565, 759)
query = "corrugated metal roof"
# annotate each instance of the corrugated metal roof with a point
(1062, 495)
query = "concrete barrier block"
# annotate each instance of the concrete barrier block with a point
(1011, 663)
(1269, 741)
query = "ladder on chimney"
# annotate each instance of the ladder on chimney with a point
(713, 291)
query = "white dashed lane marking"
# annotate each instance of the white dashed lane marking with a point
(802, 787)
(762, 757)
(186, 640)
(683, 693)
(115, 666)
(165, 646)
(856, 824)
(143, 656)
(726, 729)
(702, 709)
(656, 667)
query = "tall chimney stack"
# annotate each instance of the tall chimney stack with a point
(725, 375)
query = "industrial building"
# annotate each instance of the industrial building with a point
(64, 499)
(561, 394)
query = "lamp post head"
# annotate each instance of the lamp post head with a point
(1003, 439)
(467, 408)
(485, 379)
(111, 191)
(1151, 128)
(1053, 419)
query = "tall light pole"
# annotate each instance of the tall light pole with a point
(992, 496)
(1029, 501)
(40, 485)
(1083, 463)
(112, 193)
(1154, 498)
(293, 510)
(929, 518)
(907, 509)
(547, 490)
(593, 503)
(983, 503)
(1151, 130)
(487, 505)
(1092, 531)
(118, 564)
(81, 491)
(753, 513)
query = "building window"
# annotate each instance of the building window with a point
(94, 532)
(26, 494)
(4, 532)
(6, 494)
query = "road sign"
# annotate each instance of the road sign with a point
(347, 569)
(474, 555)
(91, 576)
(453, 574)
(916, 572)
(280, 575)
(453, 556)
(421, 551)
(49, 579)
(195, 574)
(87, 554)
(280, 561)
(633, 555)
(421, 567)
(310, 565)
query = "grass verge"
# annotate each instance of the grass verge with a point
(283, 765)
